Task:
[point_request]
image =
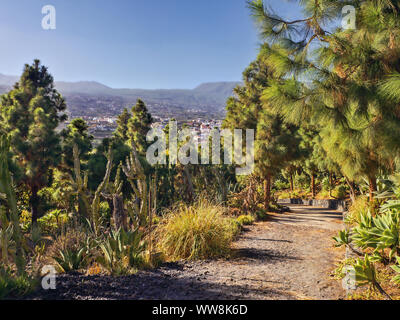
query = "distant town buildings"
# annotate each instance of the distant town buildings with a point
(103, 127)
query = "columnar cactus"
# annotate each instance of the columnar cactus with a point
(7, 192)
(80, 185)
(86, 209)
(114, 193)
(144, 188)
(135, 173)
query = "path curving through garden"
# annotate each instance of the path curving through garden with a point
(291, 256)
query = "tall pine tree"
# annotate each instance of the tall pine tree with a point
(277, 142)
(123, 125)
(30, 114)
(339, 79)
(77, 132)
(139, 125)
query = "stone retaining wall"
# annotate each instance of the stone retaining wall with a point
(327, 204)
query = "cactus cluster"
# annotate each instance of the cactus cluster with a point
(141, 209)
(143, 186)
(86, 209)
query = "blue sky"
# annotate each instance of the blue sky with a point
(133, 43)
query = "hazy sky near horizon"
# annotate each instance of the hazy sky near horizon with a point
(134, 43)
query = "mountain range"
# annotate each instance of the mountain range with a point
(90, 98)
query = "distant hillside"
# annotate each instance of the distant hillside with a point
(89, 87)
(7, 80)
(93, 98)
(218, 90)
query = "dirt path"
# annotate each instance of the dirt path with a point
(289, 257)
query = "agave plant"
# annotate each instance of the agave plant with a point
(366, 275)
(389, 188)
(379, 233)
(396, 268)
(122, 251)
(342, 239)
(71, 259)
(391, 205)
(365, 271)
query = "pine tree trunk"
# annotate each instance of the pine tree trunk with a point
(352, 190)
(34, 202)
(313, 185)
(372, 188)
(291, 183)
(330, 184)
(267, 191)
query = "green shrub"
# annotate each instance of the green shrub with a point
(236, 227)
(49, 223)
(52, 221)
(105, 211)
(193, 232)
(296, 194)
(357, 209)
(261, 215)
(25, 219)
(12, 286)
(281, 185)
(340, 192)
(47, 199)
(302, 181)
(324, 194)
(245, 220)
(284, 194)
(326, 184)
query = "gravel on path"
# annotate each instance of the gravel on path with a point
(289, 257)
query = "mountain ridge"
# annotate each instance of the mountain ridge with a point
(91, 97)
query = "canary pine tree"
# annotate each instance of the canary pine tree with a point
(277, 142)
(123, 125)
(338, 79)
(310, 157)
(139, 125)
(76, 133)
(30, 114)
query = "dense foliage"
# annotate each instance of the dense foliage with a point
(325, 106)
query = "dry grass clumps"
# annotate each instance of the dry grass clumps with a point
(199, 231)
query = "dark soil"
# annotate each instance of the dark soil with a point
(291, 256)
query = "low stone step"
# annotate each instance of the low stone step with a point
(332, 204)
